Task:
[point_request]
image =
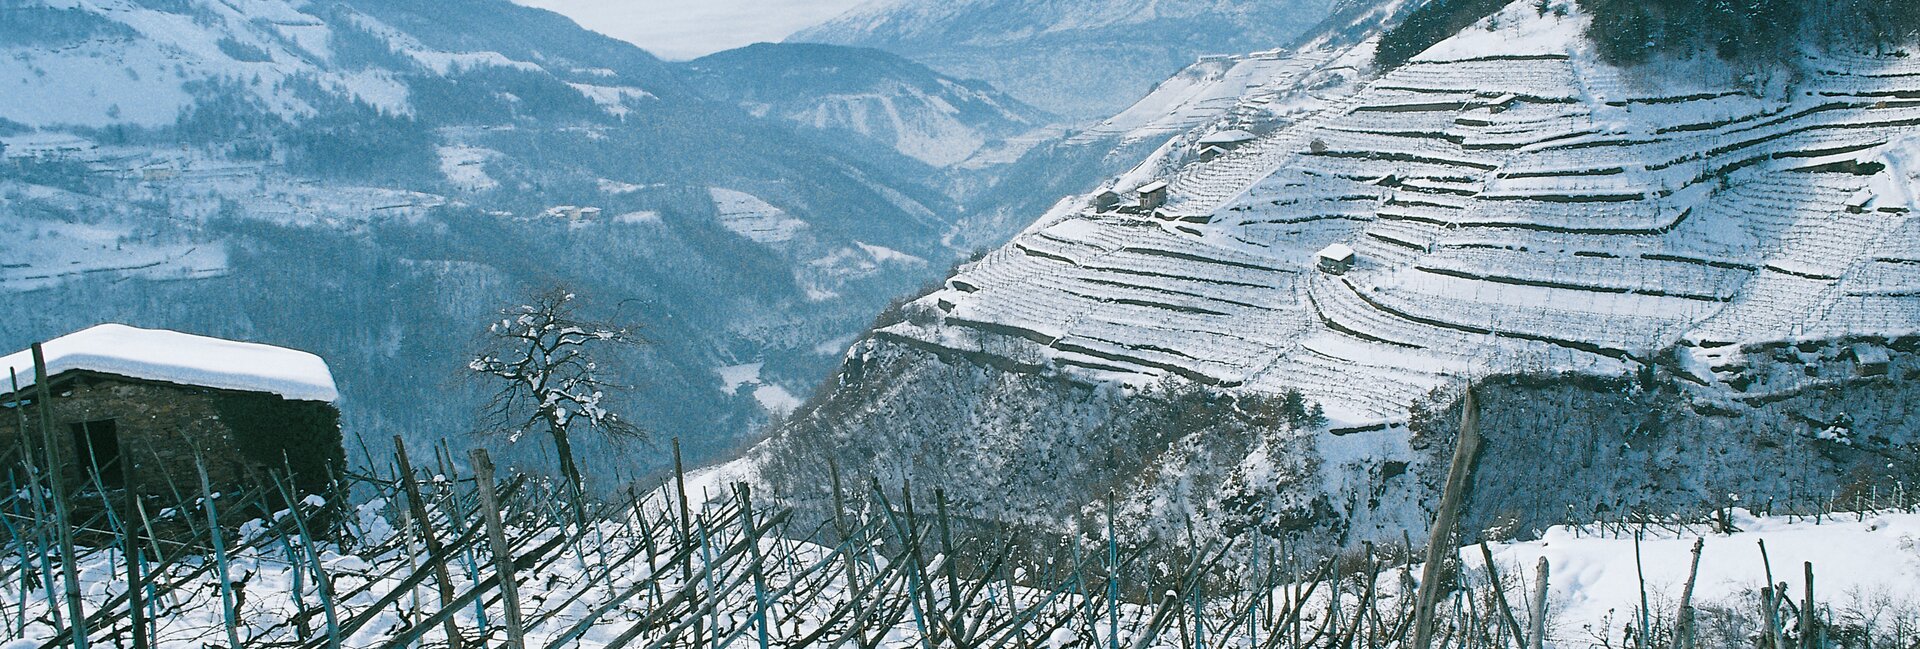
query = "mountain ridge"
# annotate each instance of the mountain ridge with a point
(869, 94)
(1080, 60)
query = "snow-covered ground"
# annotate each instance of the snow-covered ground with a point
(609, 581)
(1595, 578)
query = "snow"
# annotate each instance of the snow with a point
(1231, 136)
(1580, 228)
(465, 167)
(185, 359)
(734, 376)
(774, 398)
(884, 254)
(757, 220)
(613, 99)
(1337, 252)
(617, 188)
(1593, 577)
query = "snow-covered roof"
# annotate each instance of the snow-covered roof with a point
(1152, 187)
(185, 359)
(1869, 354)
(1337, 252)
(1234, 136)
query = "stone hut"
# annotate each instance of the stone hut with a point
(1152, 195)
(1336, 259)
(1217, 144)
(132, 408)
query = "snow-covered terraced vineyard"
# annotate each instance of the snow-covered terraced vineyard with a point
(1515, 205)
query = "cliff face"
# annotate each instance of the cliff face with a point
(1693, 261)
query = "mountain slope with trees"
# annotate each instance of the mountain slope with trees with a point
(371, 180)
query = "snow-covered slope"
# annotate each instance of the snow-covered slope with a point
(1515, 205)
(869, 94)
(1079, 59)
(1700, 271)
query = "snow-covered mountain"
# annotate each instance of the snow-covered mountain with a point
(871, 95)
(1677, 281)
(1081, 59)
(367, 179)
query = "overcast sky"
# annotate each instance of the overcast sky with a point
(685, 29)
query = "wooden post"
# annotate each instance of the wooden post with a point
(758, 567)
(1806, 613)
(1683, 627)
(956, 607)
(847, 555)
(435, 554)
(1440, 541)
(219, 554)
(1640, 573)
(63, 523)
(687, 582)
(1499, 591)
(323, 584)
(130, 544)
(502, 553)
(1770, 615)
(1537, 637)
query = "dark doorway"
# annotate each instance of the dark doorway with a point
(97, 452)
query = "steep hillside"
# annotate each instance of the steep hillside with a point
(1084, 60)
(868, 94)
(1738, 242)
(368, 179)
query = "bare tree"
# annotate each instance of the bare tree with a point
(543, 354)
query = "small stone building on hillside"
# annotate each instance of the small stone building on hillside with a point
(132, 409)
(1336, 259)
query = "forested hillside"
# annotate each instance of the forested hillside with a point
(370, 181)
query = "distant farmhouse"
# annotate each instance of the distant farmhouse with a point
(1149, 197)
(1336, 259)
(1217, 144)
(133, 408)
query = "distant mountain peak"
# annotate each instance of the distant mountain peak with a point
(870, 94)
(1079, 59)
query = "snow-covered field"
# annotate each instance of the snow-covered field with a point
(1595, 584)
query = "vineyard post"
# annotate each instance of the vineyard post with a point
(1683, 628)
(63, 530)
(687, 581)
(1806, 612)
(435, 554)
(219, 553)
(502, 552)
(1537, 637)
(1440, 541)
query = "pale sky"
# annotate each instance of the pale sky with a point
(685, 29)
